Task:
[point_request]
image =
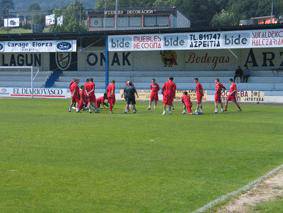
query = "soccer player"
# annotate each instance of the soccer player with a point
(75, 94)
(199, 96)
(154, 88)
(90, 92)
(83, 99)
(168, 92)
(219, 88)
(130, 94)
(232, 95)
(103, 100)
(187, 104)
(111, 95)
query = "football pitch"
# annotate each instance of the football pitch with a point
(55, 161)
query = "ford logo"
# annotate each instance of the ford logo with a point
(1, 46)
(64, 46)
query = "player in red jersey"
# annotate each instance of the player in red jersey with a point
(219, 88)
(103, 100)
(199, 96)
(154, 88)
(111, 95)
(232, 95)
(83, 99)
(75, 94)
(187, 104)
(90, 91)
(168, 92)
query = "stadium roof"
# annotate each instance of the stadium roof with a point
(86, 38)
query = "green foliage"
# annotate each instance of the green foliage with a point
(224, 18)
(5, 7)
(55, 161)
(74, 17)
(36, 14)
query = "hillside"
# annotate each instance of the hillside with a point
(24, 4)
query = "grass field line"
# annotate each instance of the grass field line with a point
(244, 189)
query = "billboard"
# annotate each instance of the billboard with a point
(38, 46)
(11, 22)
(50, 20)
(198, 41)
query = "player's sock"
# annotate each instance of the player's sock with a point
(216, 110)
(164, 112)
(222, 110)
(184, 112)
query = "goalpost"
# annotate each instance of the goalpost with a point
(30, 70)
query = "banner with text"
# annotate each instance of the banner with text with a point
(38, 46)
(268, 38)
(36, 92)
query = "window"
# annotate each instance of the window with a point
(96, 22)
(123, 22)
(135, 22)
(109, 22)
(163, 21)
(150, 21)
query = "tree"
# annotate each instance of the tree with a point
(6, 7)
(73, 18)
(224, 18)
(36, 13)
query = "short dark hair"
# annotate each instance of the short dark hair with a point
(196, 79)
(91, 79)
(113, 81)
(87, 80)
(153, 79)
(131, 83)
(82, 87)
(171, 78)
(217, 79)
(185, 93)
(231, 79)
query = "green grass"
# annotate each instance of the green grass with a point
(55, 161)
(14, 30)
(273, 206)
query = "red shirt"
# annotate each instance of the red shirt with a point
(99, 101)
(90, 87)
(111, 90)
(218, 88)
(233, 87)
(186, 99)
(72, 81)
(74, 88)
(199, 89)
(82, 95)
(154, 88)
(169, 88)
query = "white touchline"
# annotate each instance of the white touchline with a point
(241, 190)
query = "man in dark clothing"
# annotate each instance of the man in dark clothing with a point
(239, 73)
(130, 94)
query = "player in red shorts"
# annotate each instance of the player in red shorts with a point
(83, 99)
(232, 95)
(168, 92)
(90, 92)
(75, 94)
(154, 88)
(187, 104)
(199, 96)
(103, 100)
(219, 88)
(111, 95)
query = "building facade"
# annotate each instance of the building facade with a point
(137, 19)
